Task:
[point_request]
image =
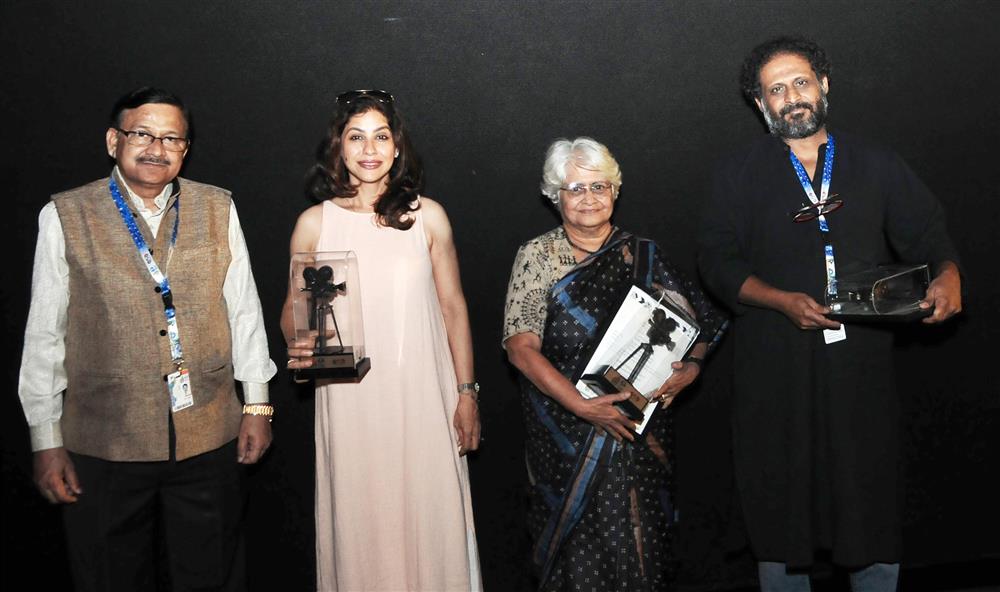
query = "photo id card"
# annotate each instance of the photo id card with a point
(179, 384)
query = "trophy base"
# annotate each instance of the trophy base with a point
(333, 357)
(608, 381)
(859, 315)
(333, 368)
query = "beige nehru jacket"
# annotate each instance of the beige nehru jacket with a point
(116, 405)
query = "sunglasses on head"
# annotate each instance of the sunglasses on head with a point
(350, 96)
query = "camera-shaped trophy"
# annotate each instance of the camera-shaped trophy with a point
(637, 349)
(326, 308)
(883, 293)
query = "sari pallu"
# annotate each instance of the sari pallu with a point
(601, 512)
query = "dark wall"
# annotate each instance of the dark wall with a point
(485, 87)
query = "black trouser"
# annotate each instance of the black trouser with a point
(197, 504)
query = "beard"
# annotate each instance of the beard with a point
(802, 127)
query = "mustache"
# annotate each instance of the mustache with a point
(793, 106)
(150, 159)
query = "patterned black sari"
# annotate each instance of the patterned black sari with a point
(601, 512)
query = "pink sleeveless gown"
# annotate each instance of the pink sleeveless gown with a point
(393, 510)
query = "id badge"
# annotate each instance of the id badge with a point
(835, 335)
(174, 335)
(179, 384)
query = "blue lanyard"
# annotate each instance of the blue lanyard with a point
(169, 311)
(824, 193)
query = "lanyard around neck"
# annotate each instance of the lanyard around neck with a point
(163, 284)
(824, 194)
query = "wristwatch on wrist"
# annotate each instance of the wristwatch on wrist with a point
(265, 409)
(472, 388)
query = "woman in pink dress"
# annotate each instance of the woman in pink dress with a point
(393, 510)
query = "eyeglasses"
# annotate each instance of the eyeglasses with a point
(136, 138)
(813, 211)
(597, 189)
(352, 95)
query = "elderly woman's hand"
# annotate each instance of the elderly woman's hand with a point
(684, 374)
(524, 351)
(602, 414)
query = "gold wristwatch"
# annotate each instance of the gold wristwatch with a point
(265, 409)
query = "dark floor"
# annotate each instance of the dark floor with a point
(976, 576)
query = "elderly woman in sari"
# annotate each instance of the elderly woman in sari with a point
(600, 511)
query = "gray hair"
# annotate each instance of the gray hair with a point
(585, 153)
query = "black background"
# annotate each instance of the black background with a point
(485, 87)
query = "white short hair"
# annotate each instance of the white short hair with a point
(585, 153)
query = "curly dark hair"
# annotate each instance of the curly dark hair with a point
(330, 178)
(762, 54)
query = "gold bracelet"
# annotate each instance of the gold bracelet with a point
(265, 409)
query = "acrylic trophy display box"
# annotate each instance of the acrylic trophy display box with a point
(883, 293)
(635, 353)
(326, 306)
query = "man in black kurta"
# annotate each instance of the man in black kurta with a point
(815, 428)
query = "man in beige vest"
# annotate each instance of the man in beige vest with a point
(143, 312)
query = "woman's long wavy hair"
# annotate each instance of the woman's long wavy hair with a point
(330, 178)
